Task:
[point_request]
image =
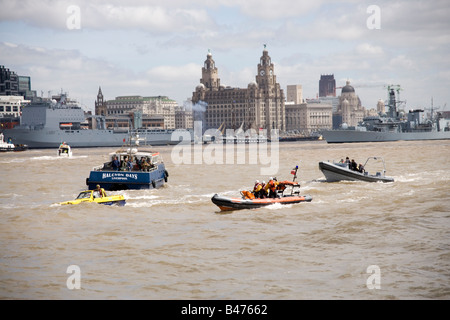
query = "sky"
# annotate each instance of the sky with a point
(153, 48)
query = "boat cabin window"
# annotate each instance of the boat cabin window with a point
(84, 195)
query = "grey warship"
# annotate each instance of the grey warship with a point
(393, 126)
(47, 123)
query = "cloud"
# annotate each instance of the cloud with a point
(173, 73)
(402, 62)
(368, 49)
(155, 47)
(69, 70)
(270, 10)
(154, 18)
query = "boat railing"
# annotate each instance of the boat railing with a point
(108, 167)
(378, 173)
(98, 168)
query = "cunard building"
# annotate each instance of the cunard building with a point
(259, 106)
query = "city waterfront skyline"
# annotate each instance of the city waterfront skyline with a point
(151, 48)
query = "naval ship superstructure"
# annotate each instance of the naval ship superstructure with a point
(393, 126)
(48, 123)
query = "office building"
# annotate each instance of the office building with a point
(259, 106)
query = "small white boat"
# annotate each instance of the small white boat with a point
(338, 171)
(6, 146)
(64, 150)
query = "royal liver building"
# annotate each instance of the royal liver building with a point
(259, 106)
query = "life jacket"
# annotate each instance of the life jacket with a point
(272, 185)
(247, 195)
(257, 187)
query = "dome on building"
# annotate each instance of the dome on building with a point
(201, 86)
(253, 84)
(348, 88)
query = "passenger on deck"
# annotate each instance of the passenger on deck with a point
(115, 164)
(129, 164)
(137, 165)
(145, 164)
(361, 168)
(124, 164)
(353, 165)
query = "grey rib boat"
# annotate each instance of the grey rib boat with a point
(338, 171)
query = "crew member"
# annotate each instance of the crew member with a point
(257, 189)
(98, 192)
(263, 192)
(271, 187)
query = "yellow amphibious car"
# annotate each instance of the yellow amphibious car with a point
(94, 196)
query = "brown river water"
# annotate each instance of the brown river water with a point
(355, 240)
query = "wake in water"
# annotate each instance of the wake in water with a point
(42, 158)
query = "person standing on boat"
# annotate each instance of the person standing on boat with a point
(129, 165)
(124, 166)
(144, 164)
(116, 164)
(137, 163)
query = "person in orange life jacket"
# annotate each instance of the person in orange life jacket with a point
(271, 187)
(258, 189)
(281, 187)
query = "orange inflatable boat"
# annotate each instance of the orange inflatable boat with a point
(289, 194)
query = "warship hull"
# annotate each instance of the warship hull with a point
(48, 138)
(348, 136)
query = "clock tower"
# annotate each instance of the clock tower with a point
(266, 78)
(272, 96)
(210, 78)
(260, 106)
